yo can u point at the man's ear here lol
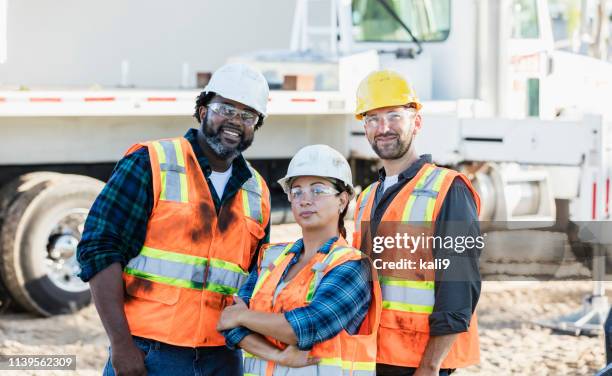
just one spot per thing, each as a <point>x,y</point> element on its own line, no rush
<point>202,112</point>
<point>417,123</point>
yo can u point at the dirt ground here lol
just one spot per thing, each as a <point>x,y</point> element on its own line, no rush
<point>510,343</point>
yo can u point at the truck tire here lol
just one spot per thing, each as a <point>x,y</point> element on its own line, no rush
<point>5,299</point>
<point>42,226</point>
<point>12,189</point>
<point>8,193</point>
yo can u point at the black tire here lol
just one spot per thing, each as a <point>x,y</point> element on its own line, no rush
<point>6,301</point>
<point>30,230</point>
<point>12,189</point>
<point>8,194</point>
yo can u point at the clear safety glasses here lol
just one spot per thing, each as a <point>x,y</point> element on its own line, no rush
<point>247,118</point>
<point>393,117</point>
<point>297,194</point>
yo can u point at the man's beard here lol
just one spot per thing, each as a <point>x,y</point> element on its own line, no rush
<point>397,150</point>
<point>213,140</point>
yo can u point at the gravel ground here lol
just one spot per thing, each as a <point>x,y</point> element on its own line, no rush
<point>510,343</point>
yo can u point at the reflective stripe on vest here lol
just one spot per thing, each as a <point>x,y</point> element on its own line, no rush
<point>186,271</point>
<point>420,205</point>
<point>271,254</point>
<point>251,196</point>
<point>365,196</point>
<point>272,257</point>
<point>407,296</point>
<point>225,277</point>
<point>319,268</point>
<point>254,366</point>
<point>172,166</point>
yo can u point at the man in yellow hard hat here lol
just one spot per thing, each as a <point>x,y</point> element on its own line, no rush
<point>428,326</point>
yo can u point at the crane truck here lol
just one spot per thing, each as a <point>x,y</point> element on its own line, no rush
<point>81,82</point>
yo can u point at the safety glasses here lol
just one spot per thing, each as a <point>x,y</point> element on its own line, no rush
<point>392,117</point>
<point>297,194</point>
<point>247,118</point>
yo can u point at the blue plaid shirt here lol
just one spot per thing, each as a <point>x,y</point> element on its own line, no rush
<point>340,302</point>
<point>116,226</point>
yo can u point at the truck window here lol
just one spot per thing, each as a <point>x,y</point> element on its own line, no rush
<point>429,20</point>
<point>525,24</point>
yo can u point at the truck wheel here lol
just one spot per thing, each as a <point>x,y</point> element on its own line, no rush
<point>8,193</point>
<point>5,299</point>
<point>42,227</point>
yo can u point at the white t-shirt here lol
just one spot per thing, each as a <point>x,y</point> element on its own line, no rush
<point>219,180</point>
<point>389,181</point>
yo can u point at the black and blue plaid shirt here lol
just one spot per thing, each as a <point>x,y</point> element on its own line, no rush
<point>116,226</point>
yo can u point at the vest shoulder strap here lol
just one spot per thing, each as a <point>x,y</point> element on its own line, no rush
<point>336,256</point>
<point>420,199</point>
<point>255,198</point>
<point>255,183</point>
<point>270,252</point>
<point>269,257</point>
<point>475,194</point>
<point>437,185</point>
<point>362,202</point>
<point>167,157</point>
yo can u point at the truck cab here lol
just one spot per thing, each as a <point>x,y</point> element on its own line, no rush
<point>495,51</point>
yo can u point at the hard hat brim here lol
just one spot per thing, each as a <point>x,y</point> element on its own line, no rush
<point>285,183</point>
<point>417,106</point>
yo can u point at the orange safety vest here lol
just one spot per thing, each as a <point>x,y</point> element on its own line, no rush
<point>344,354</point>
<point>192,260</point>
<point>404,327</point>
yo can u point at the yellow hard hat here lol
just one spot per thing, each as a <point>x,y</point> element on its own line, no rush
<point>384,88</point>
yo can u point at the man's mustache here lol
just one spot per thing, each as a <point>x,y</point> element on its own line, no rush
<point>386,134</point>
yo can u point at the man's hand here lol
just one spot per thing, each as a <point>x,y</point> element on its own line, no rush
<point>128,360</point>
<point>230,317</point>
<point>291,356</point>
<point>108,295</point>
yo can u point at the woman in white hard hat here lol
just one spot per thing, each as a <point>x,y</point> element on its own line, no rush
<point>311,303</point>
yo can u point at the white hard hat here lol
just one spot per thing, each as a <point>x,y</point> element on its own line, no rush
<point>318,160</point>
<point>241,83</point>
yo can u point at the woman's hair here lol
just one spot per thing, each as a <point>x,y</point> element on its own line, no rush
<point>341,228</point>
<point>341,187</point>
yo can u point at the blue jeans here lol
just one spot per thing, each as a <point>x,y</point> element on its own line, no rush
<point>163,359</point>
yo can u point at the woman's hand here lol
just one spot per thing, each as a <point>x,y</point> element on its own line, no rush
<point>291,356</point>
<point>230,317</point>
